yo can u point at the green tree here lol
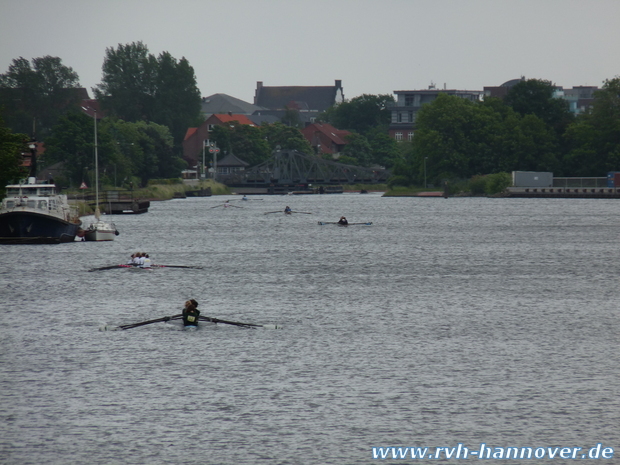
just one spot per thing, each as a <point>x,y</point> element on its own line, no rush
<point>127,88</point>
<point>12,145</point>
<point>125,150</point>
<point>244,141</point>
<point>158,158</point>
<point>361,114</point>
<point>461,139</point>
<point>536,97</point>
<point>71,142</point>
<point>384,149</point>
<point>137,86</point>
<point>288,138</point>
<point>594,138</point>
<point>177,98</point>
<point>369,116</point>
<point>357,149</point>
<point>36,95</point>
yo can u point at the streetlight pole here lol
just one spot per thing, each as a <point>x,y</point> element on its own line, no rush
<point>425,158</point>
<point>204,144</point>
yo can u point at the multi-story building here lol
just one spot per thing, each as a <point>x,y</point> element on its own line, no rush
<point>580,98</point>
<point>409,102</point>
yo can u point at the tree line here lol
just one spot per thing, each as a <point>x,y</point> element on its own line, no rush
<point>529,130</point>
<point>150,101</point>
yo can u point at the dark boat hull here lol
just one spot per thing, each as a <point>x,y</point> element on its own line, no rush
<point>35,228</point>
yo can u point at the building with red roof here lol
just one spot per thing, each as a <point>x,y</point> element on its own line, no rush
<point>325,138</point>
<point>195,137</point>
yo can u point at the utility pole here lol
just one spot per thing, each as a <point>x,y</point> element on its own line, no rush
<point>213,149</point>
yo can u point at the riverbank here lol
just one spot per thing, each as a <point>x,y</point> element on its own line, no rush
<point>84,201</point>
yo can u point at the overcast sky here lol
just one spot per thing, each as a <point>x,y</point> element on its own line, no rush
<point>373,46</point>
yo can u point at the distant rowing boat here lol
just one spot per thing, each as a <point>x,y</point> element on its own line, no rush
<point>323,223</point>
<point>211,321</point>
<point>142,268</point>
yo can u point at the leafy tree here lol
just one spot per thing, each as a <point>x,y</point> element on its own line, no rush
<point>361,114</point>
<point>594,138</point>
<point>288,138</point>
<point>127,88</point>
<point>461,139</point>
<point>36,95</point>
<point>385,150</point>
<point>177,98</point>
<point>72,142</point>
<point>245,141</point>
<point>12,145</point>
<point>367,115</point>
<point>142,150</point>
<point>137,86</point>
<point>358,150</point>
<point>535,97</point>
<point>158,159</point>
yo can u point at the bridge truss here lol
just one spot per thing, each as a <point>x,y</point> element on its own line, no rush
<point>293,167</point>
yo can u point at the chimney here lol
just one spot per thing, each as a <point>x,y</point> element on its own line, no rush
<point>338,84</point>
<point>259,86</point>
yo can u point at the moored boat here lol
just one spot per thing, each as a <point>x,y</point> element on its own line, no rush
<point>33,213</point>
<point>99,230</point>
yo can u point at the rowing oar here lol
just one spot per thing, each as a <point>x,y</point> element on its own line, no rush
<point>227,205</point>
<point>305,213</point>
<point>177,266</point>
<point>348,224</point>
<point>135,325</point>
<point>235,323</point>
<point>107,268</point>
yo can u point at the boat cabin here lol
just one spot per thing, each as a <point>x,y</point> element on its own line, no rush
<point>35,196</point>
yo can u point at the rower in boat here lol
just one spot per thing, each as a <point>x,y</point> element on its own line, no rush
<point>288,210</point>
<point>343,221</point>
<point>191,314</point>
<point>135,259</point>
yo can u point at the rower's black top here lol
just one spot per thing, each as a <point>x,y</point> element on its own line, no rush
<point>190,316</point>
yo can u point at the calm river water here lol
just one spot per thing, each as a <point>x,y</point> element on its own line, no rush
<point>451,321</point>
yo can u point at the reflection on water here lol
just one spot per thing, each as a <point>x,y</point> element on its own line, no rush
<point>446,321</point>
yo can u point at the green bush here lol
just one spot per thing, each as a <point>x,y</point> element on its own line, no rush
<point>477,185</point>
<point>497,183</point>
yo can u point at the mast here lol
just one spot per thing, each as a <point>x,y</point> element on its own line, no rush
<point>97,214</point>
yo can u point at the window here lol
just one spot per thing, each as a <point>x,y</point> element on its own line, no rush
<point>410,136</point>
<point>398,136</point>
<point>408,100</point>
